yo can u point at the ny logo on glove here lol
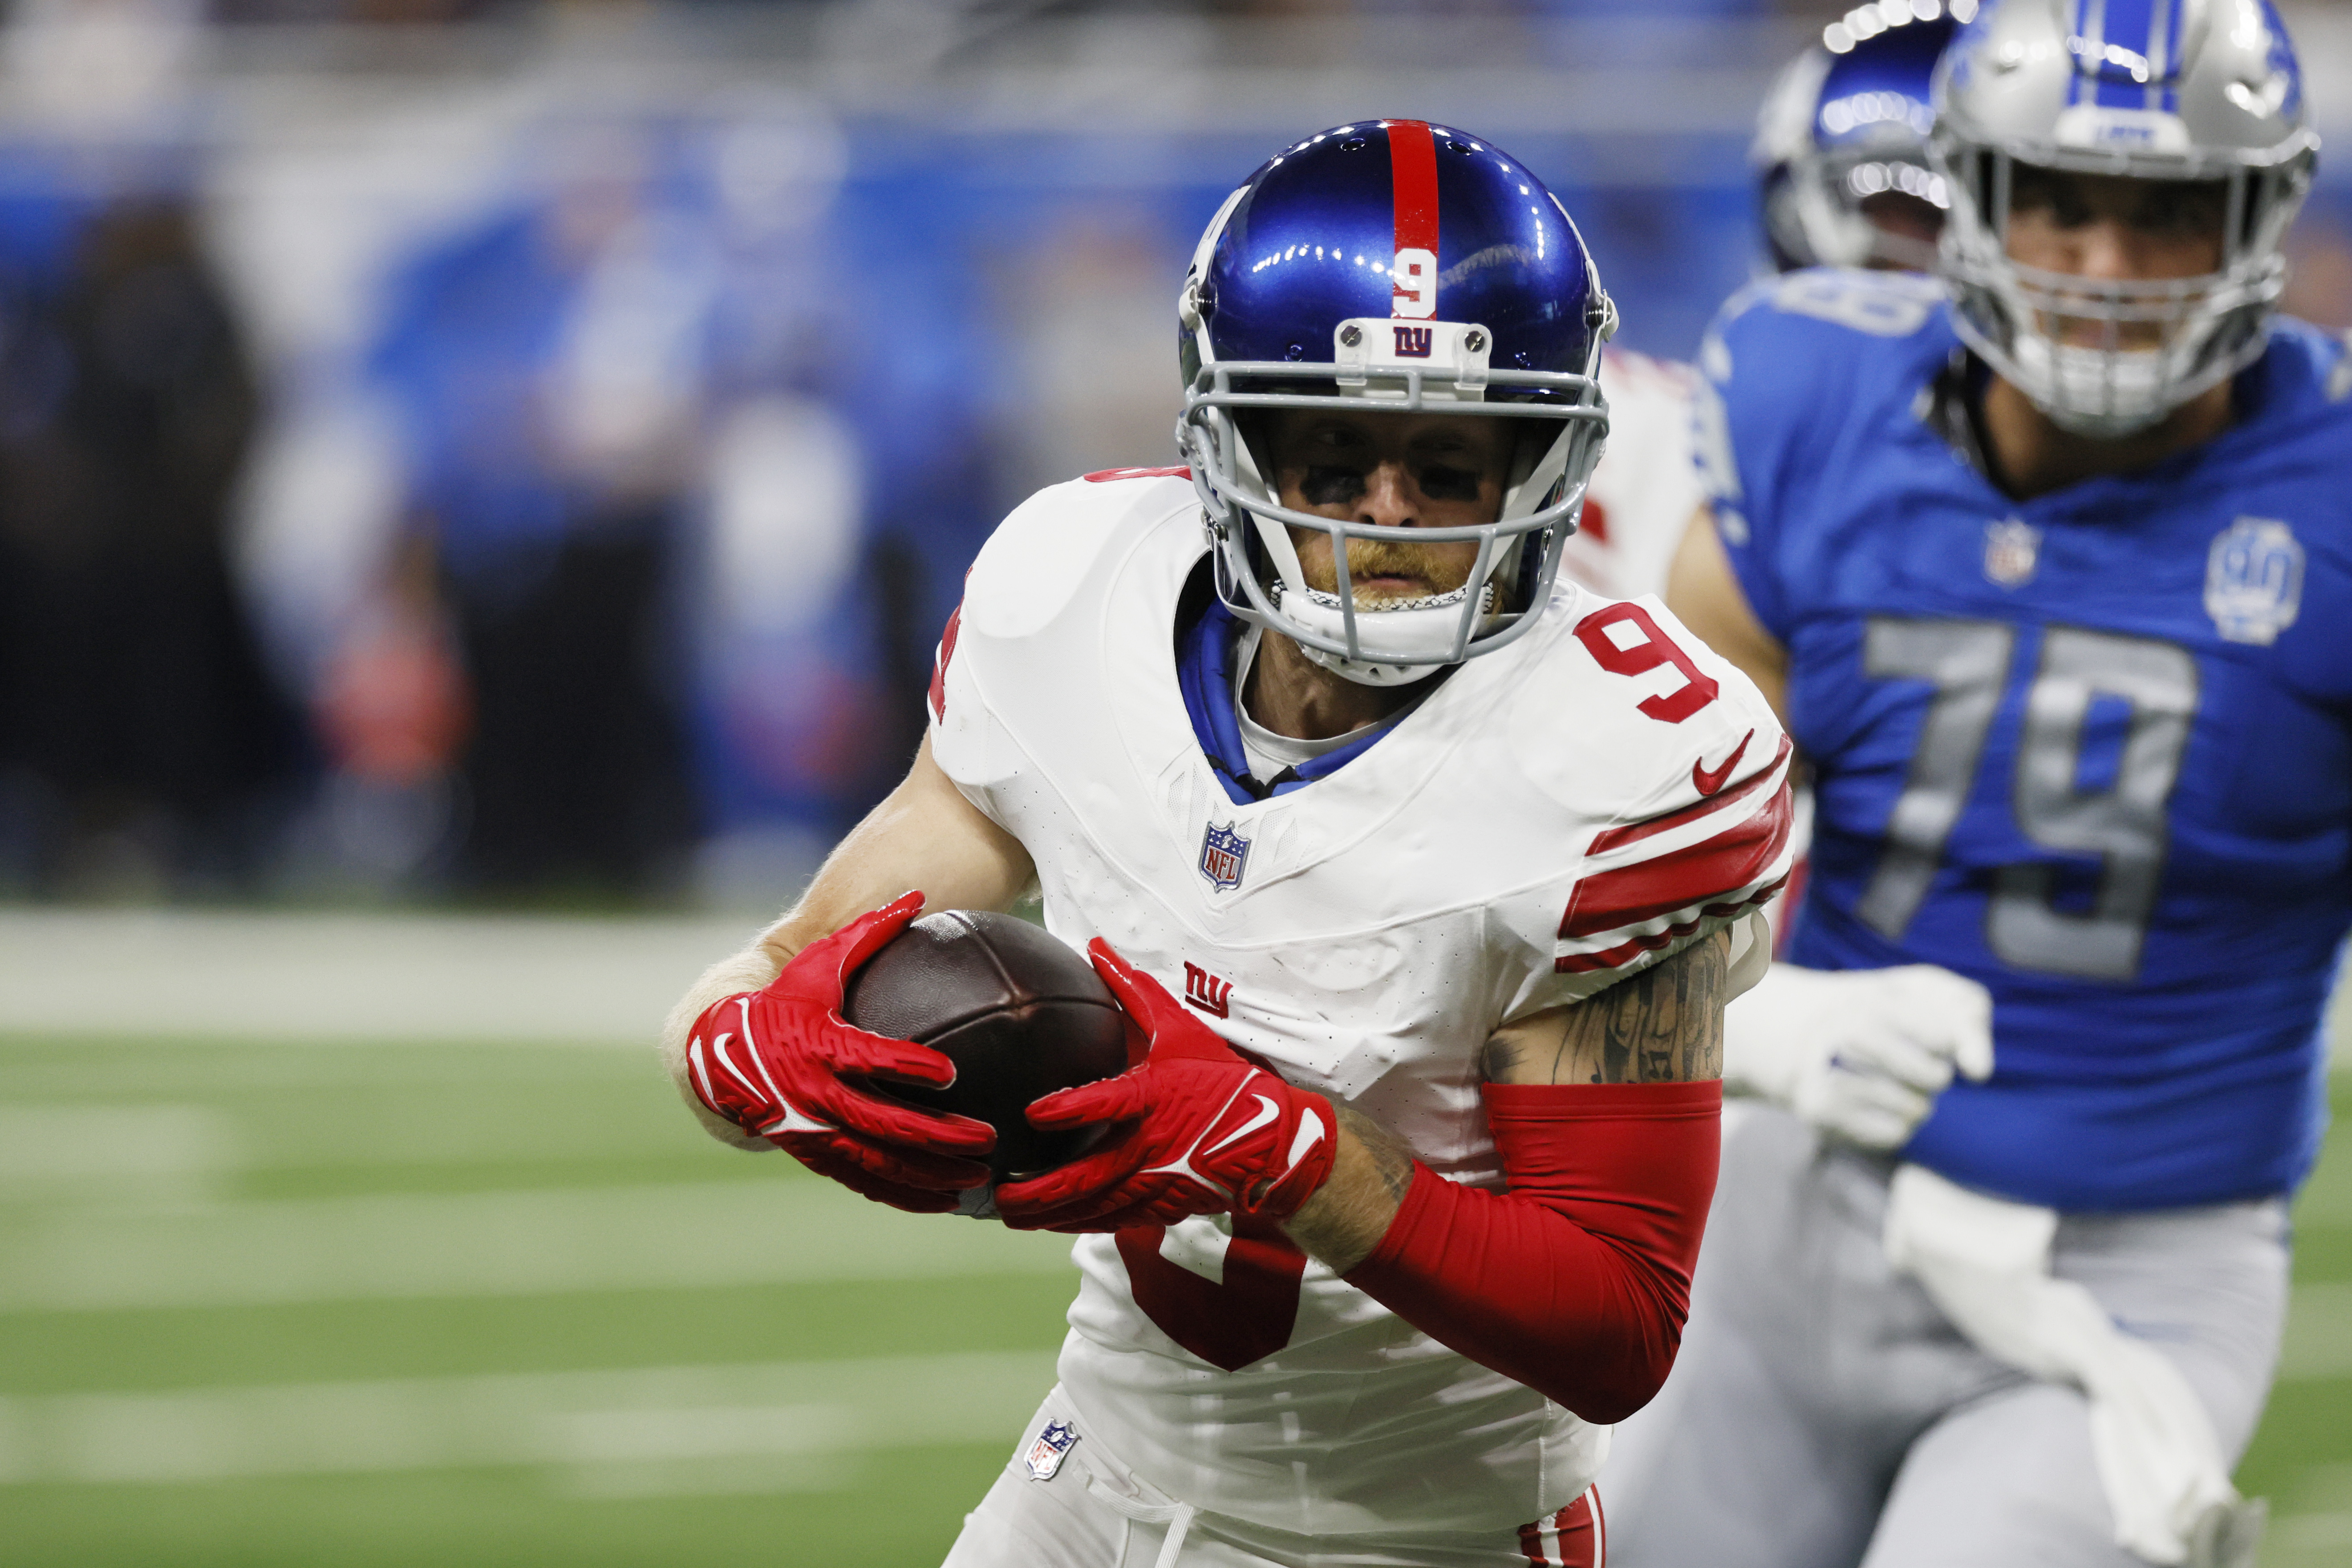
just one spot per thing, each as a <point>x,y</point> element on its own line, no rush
<point>774,1063</point>
<point>1194,1128</point>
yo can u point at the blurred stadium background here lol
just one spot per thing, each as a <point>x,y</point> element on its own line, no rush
<point>478,487</point>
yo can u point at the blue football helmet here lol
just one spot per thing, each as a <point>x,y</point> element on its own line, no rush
<point>1409,269</point>
<point>1843,136</point>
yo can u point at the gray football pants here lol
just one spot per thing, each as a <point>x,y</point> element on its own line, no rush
<point>1822,1413</point>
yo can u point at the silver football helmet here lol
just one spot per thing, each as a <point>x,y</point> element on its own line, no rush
<point>2200,90</point>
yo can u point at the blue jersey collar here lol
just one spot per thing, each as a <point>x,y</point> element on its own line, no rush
<point>1204,674</point>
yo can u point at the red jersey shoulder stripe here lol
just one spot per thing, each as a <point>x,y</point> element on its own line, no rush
<point>1610,839</point>
<point>1624,952</point>
<point>1106,476</point>
<point>939,663</point>
<point>1730,862</point>
<point>1736,869</point>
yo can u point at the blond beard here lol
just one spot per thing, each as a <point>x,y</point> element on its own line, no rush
<point>1437,568</point>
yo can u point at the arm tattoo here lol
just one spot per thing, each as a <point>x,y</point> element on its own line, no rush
<point>1391,1160</point>
<point>1662,1026</point>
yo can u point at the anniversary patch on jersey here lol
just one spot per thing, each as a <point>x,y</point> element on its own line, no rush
<point>2012,549</point>
<point>1052,1446</point>
<point>2253,580</point>
<point>1224,854</point>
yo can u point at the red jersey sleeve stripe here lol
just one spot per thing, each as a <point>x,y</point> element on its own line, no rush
<point>940,664</point>
<point>1624,952</point>
<point>1708,871</point>
<point>1610,839</point>
<point>1107,476</point>
<point>1412,170</point>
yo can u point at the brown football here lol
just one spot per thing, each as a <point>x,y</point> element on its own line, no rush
<point>1019,1013</point>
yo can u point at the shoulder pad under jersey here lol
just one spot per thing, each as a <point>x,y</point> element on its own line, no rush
<point>1672,771</point>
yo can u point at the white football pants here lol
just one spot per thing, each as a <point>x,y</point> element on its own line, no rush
<point>1092,1512</point>
<point>1823,1414</point>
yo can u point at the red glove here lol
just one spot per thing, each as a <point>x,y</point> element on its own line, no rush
<point>1205,1132</point>
<point>773,1062</point>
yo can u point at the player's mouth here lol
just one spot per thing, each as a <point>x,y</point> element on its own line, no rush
<point>1392,585</point>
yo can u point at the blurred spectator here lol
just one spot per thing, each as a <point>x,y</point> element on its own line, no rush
<point>138,736</point>
<point>548,364</point>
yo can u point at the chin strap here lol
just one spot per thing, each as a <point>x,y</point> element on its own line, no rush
<point>1425,627</point>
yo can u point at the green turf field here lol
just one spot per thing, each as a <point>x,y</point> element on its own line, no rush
<point>314,1304</point>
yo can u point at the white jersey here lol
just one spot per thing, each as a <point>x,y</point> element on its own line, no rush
<point>1642,498</point>
<point>1646,487</point>
<point>1526,837</point>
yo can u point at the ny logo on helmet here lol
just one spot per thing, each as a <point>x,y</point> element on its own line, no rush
<point>1223,853</point>
<point>1412,342</point>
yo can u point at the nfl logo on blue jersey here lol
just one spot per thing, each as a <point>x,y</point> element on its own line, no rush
<point>2253,580</point>
<point>1052,1446</point>
<point>1223,853</point>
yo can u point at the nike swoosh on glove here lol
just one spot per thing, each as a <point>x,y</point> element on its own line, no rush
<point>778,1062</point>
<point>1199,1129</point>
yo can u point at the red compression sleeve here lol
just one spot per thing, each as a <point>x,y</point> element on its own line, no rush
<point>1577,1280</point>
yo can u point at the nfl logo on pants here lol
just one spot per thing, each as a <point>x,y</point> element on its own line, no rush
<point>1052,1446</point>
<point>1223,853</point>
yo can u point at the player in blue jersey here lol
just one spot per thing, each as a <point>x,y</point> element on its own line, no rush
<point>2049,567</point>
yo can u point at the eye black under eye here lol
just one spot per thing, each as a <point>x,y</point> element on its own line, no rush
<point>1332,486</point>
<point>1439,482</point>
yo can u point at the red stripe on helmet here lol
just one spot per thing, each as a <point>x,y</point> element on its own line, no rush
<point>1412,166</point>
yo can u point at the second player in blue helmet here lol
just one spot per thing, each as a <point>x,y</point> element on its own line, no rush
<point>1394,265</point>
<point>1840,148</point>
<point>2047,568</point>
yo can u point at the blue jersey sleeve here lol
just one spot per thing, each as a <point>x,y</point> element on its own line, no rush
<point>1782,362</point>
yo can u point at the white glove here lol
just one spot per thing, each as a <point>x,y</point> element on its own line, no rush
<point>1986,1263</point>
<point>1859,1053</point>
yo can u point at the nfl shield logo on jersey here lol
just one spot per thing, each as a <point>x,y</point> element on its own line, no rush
<point>1052,1446</point>
<point>1223,853</point>
<point>2253,580</point>
<point>2013,549</point>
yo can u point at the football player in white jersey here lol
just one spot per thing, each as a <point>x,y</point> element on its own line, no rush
<point>1453,864</point>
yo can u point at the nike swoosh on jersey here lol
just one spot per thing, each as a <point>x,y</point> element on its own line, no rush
<point>1709,780</point>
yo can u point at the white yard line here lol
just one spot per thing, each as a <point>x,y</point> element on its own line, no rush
<point>492,1244</point>
<point>768,1426</point>
<point>347,977</point>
